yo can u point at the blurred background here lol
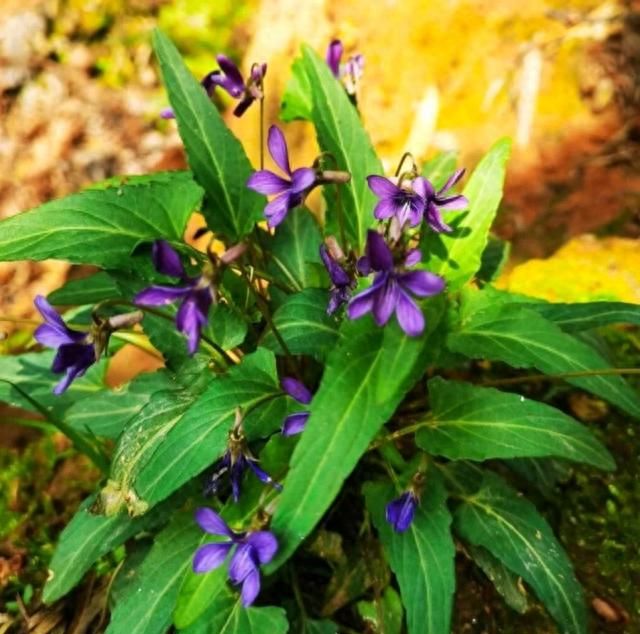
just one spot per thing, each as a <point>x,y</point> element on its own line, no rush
<point>79,102</point>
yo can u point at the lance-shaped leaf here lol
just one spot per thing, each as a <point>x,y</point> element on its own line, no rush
<point>479,423</point>
<point>457,256</point>
<point>102,226</point>
<point>148,607</point>
<point>583,316</point>
<point>303,323</point>
<point>365,378</point>
<point>215,155</point>
<point>422,557</point>
<point>340,132</point>
<point>296,101</point>
<point>517,335</point>
<point>85,539</point>
<point>438,169</point>
<point>88,290</point>
<point>509,527</point>
<point>178,436</point>
<point>107,413</point>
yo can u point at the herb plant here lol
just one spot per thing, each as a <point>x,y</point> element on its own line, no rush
<point>320,376</point>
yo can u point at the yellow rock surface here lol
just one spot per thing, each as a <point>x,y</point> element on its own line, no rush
<point>586,268</point>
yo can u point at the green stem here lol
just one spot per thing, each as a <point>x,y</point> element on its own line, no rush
<point>536,378</point>
<point>405,431</point>
<point>28,422</point>
<point>94,453</point>
<point>262,132</point>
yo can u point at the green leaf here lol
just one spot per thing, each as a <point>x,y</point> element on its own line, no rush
<point>365,378</point>
<point>296,101</point>
<point>88,290</point>
<point>226,326</point>
<point>147,609</point>
<point>32,373</point>
<point>545,474</point>
<point>517,335</point>
<point>479,423</point>
<point>85,539</point>
<point>457,256</point>
<point>382,616</point>
<point>176,438</point>
<point>504,581</point>
<point>303,323</point>
<point>509,527</point>
<point>494,258</point>
<point>294,255</point>
<point>340,132</point>
<point>422,558</point>
<point>438,169</point>
<point>101,226</point>
<point>578,317</point>
<point>107,413</point>
<point>319,627</point>
<point>215,155</point>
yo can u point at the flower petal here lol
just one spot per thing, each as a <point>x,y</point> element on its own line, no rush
<point>413,257</point>
<point>160,295</point>
<point>166,259</point>
<point>262,475</point>
<point>422,283</point>
<point>337,274</point>
<point>409,316</point>
<point>54,337</point>
<point>210,556</point>
<point>210,522</point>
<point>400,512</point>
<point>453,203</point>
<point>379,254</point>
<point>452,180</point>
<point>386,208</point>
<point>243,106</point>
<point>243,562</point>
<point>234,76</point>
<point>362,303</point>
<point>74,372</point>
<point>49,314</point>
<point>385,301</point>
<point>382,187</point>
<point>422,187</point>
<point>278,148</point>
<point>276,211</point>
<point>190,319</point>
<point>296,389</point>
<point>69,355</point>
<point>295,423</point>
<point>434,220</point>
<point>167,113</point>
<point>265,545</point>
<point>334,55</point>
<point>250,588</point>
<point>267,183</point>
<point>302,179</point>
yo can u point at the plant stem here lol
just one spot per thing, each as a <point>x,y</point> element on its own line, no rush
<point>262,132</point>
<point>405,431</point>
<point>537,378</point>
<point>29,422</point>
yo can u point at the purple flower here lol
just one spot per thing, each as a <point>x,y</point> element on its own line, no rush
<point>230,79</point>
<point>294,423</point>
<point>341,282</point>
<point>290,192</point>
<point>195,294</point>
<point>405,202</point>
<point>350,72</point>
<point>393,287</point>
<point>400,511</point>
<point>250,551</point>
<point>75,350</point>
<point>439,201</point>
<point>236,460</point>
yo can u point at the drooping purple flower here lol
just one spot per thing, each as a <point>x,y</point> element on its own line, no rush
<point>195,294</point>
<point>393,287</point>
<point>230,79</point>
<point>400,512</point>
<point>294,423</point>
<point>235,461</point>
<point>341,282</point>
<point>250,551</point>
<point>291,191</point>
<point>351,72</point>
<point>437,202</point>
<point>405,202</point>
<point>75,350</point>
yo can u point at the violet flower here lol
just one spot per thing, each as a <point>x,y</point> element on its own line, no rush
<point>230,79</point>
<point>400,512</point>
<point>351,72</point>
<point>341,282</point>
<point>250,551</point>
<point>405,202</point>
<point>196,294</point>
<point>439,201</point>
<point>290,192</point>
<point>294,423</point>
<point>236,460</point>
<point>76,351</point>
<point>393,287</point>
